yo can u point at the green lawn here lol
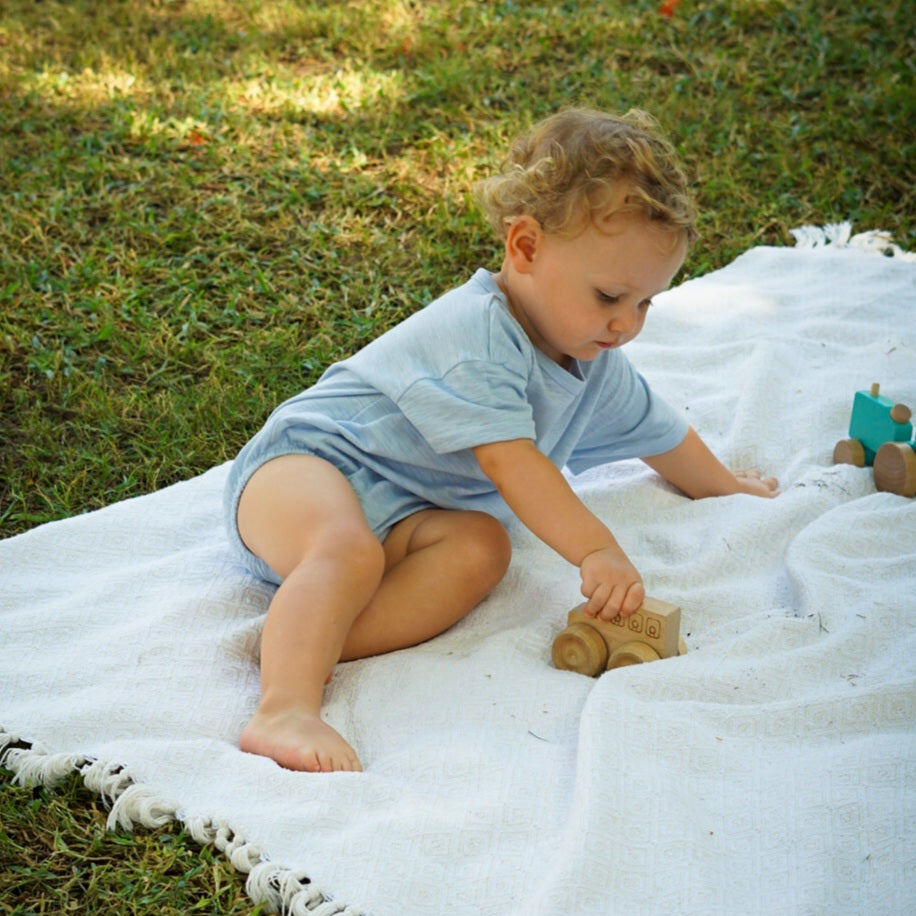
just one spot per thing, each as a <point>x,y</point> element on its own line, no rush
<point>204,202</point>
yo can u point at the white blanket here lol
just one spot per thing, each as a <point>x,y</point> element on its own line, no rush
<point>770,770</point>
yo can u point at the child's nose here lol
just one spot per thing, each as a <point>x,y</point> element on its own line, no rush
<point>625,322</point>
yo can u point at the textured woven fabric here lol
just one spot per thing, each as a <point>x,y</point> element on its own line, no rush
<point>770,770</point>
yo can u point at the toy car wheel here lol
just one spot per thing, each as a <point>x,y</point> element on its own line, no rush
<point>895,469</point>
<point>849,451</point>
<point>580,648</point>
<point>632,653</point>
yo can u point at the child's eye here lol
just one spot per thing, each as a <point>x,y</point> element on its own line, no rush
<point>608,298</point>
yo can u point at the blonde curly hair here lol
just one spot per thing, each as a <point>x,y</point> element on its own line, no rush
<point>573,167</point>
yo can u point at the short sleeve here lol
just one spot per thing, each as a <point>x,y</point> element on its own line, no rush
<point>474,403</point>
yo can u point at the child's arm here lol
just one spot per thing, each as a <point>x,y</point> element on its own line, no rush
<point>539,495</point>
<point>693,468</point>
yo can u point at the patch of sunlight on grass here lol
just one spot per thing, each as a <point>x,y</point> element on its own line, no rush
<point>342,91</point>
<point>90,85</point>
<point>339,92</point>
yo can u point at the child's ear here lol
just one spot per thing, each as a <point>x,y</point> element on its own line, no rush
<point>522,243</point>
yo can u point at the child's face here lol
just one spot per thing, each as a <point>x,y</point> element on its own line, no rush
<point>577,297</point>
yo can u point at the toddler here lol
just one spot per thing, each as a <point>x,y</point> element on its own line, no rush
<point>374,499</point>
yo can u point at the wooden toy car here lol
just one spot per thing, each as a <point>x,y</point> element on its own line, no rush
<point>881,436</point>
<point>589,645</point>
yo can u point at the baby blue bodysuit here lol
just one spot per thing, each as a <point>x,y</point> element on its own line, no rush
<point>399,418</point>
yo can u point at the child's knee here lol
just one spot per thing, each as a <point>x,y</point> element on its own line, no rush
<point>487,546</point>
<point>361,550</point>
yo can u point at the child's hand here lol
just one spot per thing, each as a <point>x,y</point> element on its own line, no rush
<point>754,483</point>
<point>693,468</point>
<point>611,584</point>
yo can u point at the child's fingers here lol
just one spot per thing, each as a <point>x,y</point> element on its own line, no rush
<point>764,486</point>
<point>624,600</point>
<point>635,596</point>
<point>597,600</point>
<point>755,483</point>
<point>610,584</point>
<point>607,602</point>
<point>749,476</point>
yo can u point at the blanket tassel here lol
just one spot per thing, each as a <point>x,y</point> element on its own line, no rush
<point>839,235</point>
<point>277,889</point>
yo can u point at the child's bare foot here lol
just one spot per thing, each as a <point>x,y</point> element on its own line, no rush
<point>299,740</point>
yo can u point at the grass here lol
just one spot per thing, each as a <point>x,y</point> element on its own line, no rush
<point>204,202</point>
<point>56,857</point>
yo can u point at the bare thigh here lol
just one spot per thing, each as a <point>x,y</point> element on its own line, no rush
<point>299,514</point>
<point>484,545</point>
<point>298,505</point>
<point>439,565</point>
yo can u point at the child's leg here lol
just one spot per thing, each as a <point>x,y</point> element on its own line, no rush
<point>344,596</point>
<point>439,565</point>
<point>300,515</point>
